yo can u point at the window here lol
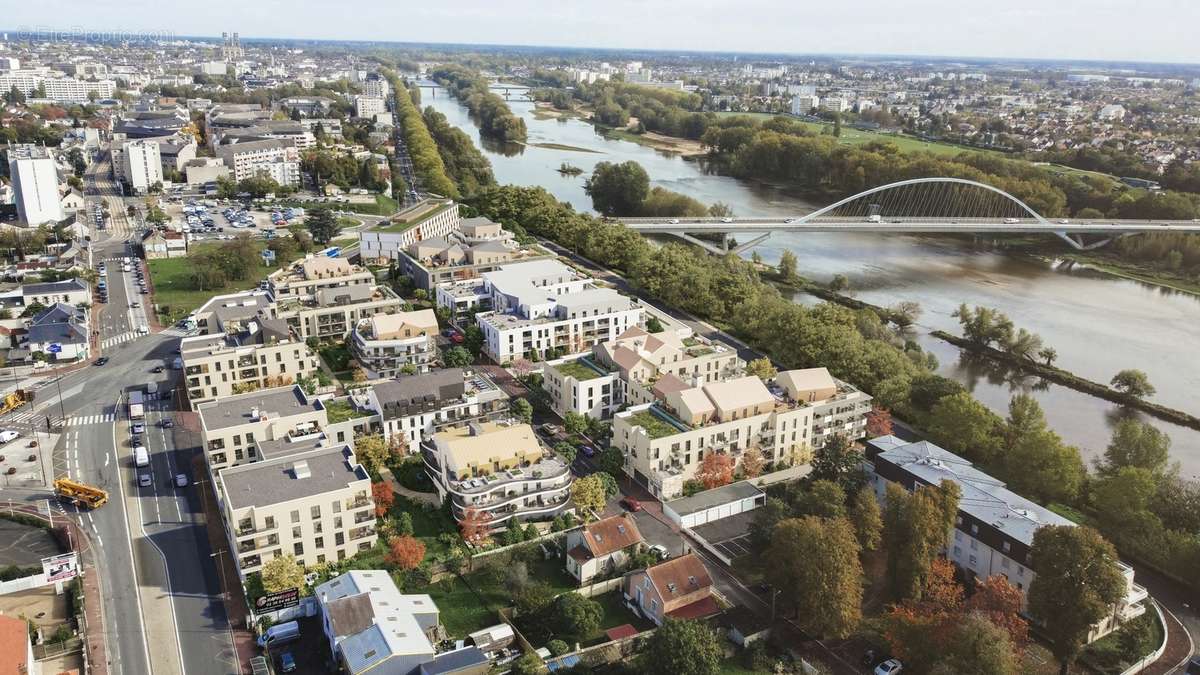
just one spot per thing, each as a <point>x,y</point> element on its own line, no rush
<point>1006,547</point>
<point>1004,563</point>
<point>319,542</point>
<point>957,552</point>
<point>316,511</point>
<point>973,561</point>
<point>1020,571</point>
<point>974,529</point>
<point>298,547</point>
<point>295,516</point>
<point>958,535</point>
<point>974,545</point>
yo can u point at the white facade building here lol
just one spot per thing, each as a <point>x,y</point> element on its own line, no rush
<point>805,104</point>
<point>141,165</point>
<point>35,184</point>
<point>369,106</point>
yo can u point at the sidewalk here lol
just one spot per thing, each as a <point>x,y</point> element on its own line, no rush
<point>236,608</point>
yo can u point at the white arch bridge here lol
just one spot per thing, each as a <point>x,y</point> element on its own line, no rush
<point>920,205</point>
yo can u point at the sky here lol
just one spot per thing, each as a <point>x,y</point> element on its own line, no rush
<point>1110,30</point>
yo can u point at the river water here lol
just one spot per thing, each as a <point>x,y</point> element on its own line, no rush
<point>1098,324</point>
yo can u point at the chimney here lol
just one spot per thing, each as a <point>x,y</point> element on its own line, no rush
<point>300,470</point>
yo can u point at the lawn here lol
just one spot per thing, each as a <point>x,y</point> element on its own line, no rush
<point>411,474</point>
<point>403,224</point>
<point>336,355</point>
<point>174,295</point>
<point>654,426</point>
<point>733,666</point>
<point>342,410</point>
<point>578,369</point>
<point>615,614</point>
<point>428,525</point>
<point>382,206</point>
<point>463,610</point>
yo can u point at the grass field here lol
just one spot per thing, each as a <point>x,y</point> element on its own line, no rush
<point>171,280</point>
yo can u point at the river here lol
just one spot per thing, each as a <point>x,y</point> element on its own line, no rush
<point>1098,324</point>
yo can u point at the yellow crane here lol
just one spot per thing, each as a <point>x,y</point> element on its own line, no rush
<point>14,400</point>
<point>82,494</point>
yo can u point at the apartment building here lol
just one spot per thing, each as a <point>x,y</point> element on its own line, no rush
<point>664,442</point>
<point>427,219</point>
<point>60,89</point>
<point>838,408</point>
<point>993,532</point>
<point>259,353</point>
<point>581,385</point>
<point>372,627</point>
<point>276,158</point>
<point>413,408</point>
<point>222,312</point>
<point>369,106</point>
<point>388,345</point>
<point>647,365</point>
<point>326,297</point>
<point>377,86</point>
<point>232,427</point>
<point>34,176</point>
<point>312,502</point>
<point>475,246</point>
<point>141,165</point>
<point>543,307</point>
<point>499,469</point>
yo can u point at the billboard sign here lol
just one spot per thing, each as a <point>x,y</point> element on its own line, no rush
<point>60,567</point>
<point>272,602</point>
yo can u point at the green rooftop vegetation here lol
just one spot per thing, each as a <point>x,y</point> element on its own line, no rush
<point>341,411</point>
<point>578,370</point>
<point>654,425</point>
<point>401,224</point>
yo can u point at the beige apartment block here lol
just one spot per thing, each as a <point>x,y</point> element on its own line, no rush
<point>256,354</point>
<point>232,428</point>
<point>388,345</point>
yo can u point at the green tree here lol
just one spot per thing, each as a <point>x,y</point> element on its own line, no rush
<point>653,324</point>
<point>964,425</point>
<point>574,423</point>
<point>821,498</point>
<point>522,409</point>
<point>838,460</point>
<point>1133,383</point>
<point>577,616</point>
<point>566,451</point>
<point>761,368</point>
<point>1035,460</point>
<point>977,646</point>
<point>281,573</point>
<point>814,563</point>
<point>865,515</point>
<point>1076,585</point>
<point>1138,444</point>
<point>456,357</point>
<point>916,527</point>
<point>683,647</point>
<point>1048,354</point>
<point>373,452</point>
<point>766,517</point>
<point>321,224</point>
<point>618,189</point>
<point>1122,497</point>
<point>528,664</point>
<point>839,283</point>
<point>611,461</point>
<point>788,266</point>
<point>589,495</point>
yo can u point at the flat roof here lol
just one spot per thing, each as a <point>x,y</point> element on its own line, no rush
<point>277,481</point>
<point>725,494</point>
<point>464,447</point>
<point>230,411</point>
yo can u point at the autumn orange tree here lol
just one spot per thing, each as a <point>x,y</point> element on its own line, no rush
<point>879,422</point>
<point>716,470</point>
<point>405,552</point>
<point>1000,602</point>
<point>384,498</point>
<point>474,525</point>
<point>752,462</point>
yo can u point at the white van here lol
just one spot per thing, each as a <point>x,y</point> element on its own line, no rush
<point>141,457</point>
<point>279,634</point>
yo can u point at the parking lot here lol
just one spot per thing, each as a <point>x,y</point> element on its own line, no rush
<point>728,535</point>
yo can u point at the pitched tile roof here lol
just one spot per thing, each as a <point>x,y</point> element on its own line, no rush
<point>611,534</point>
<point>680,576</point>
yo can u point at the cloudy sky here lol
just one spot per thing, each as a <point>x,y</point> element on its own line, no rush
<point>1141,30</point>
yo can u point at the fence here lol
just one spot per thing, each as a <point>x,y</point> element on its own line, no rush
<point>600,587</point>
<point>23,584</point>
<point>1152,656</point>
<point>54,649</point>
<point>607,652</point>
<point>307,607</point>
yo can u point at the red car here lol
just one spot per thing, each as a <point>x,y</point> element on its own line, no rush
<point>631,504</point>
<point>457,338</point>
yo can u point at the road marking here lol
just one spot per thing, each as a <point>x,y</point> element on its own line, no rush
<point>106,460</point>
<point>137,589</point>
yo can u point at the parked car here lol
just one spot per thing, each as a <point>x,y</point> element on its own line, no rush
<point>889,667</point>
<point>631,504</point>
<point>157,369</point>
<point>287,663</point>
<point>138,428</point>
<point>144,480</point>
<point>8,435</point>
<point>181,480</point>
<point>100,361</point>
<point>660,551</point>
<point>166,423</point>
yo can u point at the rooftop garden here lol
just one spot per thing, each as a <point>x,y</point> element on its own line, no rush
<point>401,224</point>
<point>342,410</point>
<point>653,424</point>
<point>578,369</point>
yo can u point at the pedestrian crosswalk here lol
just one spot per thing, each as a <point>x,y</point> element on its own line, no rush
<point>117,339</point>
<point>21,416</point>
<point>102,418</point>
<point>176,331</point>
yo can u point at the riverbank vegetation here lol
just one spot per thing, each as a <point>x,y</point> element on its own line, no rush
<point>422,150</point>
<point>464,163</point>
<point>623,190</point>
<point>858,347</point>
<point>496,119</point>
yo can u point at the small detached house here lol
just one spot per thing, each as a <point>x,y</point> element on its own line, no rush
<point>60,332</point>
<point>680,588</point>
<point>601,547</point>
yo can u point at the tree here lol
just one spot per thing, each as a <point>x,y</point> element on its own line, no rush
<point>977,646</point>
<point>839,282</point>
<point>281,573</point>
<point>916,527</point>
<point>766,517</point>
<point>839,461</point>
<point>716,469</point>
<point>405,552</point>
<point>520,367</point>
<point>1035,460</point>
<point>961,423</point>
<point>589,496</point>
<point>567,451</point>
<point>761,368</point>
<point>1133,383</point>
<point>683,647</point>
<point>752,462</point>
<point>611,461</point>
<point>456,357</point>
<point>611,489</point>
<point>404,524</point>
<point>821,498</point>
<point>528,664</point>
<point>1000,602</point>
<point>1137,444</point>
<point>533,600</point>
<point>879,422</point>
<point>654,324</point>
<point>1076,585</point>
<point>574,423</point>
<point>475,525</point>
<point>1048,354</point>
<point>865,515</point>
<point>905,313</point>
<point>788,266</point>
<point>720,210</point>
<point>321,224</point>
<point>815,566</point>
<point>372,451</point>
<point>577,616</point>
<point>618,189</point>
<point>522,409</point>
<point>382,493</point>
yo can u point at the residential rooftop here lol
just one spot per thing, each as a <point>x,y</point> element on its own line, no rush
<point>235,410</point>
<point>291,477</point>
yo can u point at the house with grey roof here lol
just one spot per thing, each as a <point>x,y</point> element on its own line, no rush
<point>61,332</point>
<point>993,531</point>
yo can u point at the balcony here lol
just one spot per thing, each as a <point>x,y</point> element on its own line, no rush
<point>358,502</point>
<point>361,533</point>
<point>363,517</point>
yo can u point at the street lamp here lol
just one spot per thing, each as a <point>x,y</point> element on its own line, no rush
<point>220,570</point>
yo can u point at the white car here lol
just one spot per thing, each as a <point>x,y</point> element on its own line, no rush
<point>144,480</point>
<point>1010,221</point>
<point>673,221</point>
<point>143,329</point>
<point>180,480</point>
<point>727,220</point>
<point>138,428</point>
<point>889,667</point>
<point>660,551</point>
<point>8,435</point>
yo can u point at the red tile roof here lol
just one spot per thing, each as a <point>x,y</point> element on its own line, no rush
<point>621,632</point>
<point>677,577</point>
<point>705,607</point>
<point>610,534</point>
<point>14,645</point>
